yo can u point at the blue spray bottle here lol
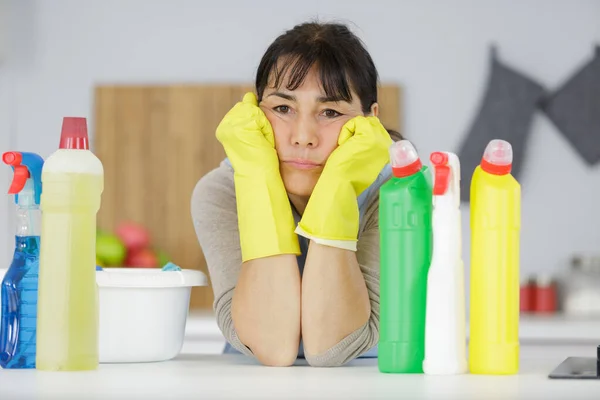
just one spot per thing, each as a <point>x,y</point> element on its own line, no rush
<point>20,285</point>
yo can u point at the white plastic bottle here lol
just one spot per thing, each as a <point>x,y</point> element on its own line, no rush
<point>445,325</point>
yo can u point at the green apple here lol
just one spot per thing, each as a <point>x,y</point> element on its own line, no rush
<point>163,258</point>
<point>110,250</point>
<point>100,232</point>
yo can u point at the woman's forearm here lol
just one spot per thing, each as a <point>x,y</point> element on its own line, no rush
<point>266,309</point>
<point>335,300</point>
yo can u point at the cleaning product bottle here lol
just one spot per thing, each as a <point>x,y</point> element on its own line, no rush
<point>20,284</point>
<point>405,254</point>
<point>495,227</point>
<point>73,179</point>
<point>445,327</point>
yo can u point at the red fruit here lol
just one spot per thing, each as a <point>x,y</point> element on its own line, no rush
<point>133,236</point>
<point>144,258</point>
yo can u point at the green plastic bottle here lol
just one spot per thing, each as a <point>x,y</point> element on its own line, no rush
<point>406,239</point>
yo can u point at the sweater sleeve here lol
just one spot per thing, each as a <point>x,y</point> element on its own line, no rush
<point>214,214</point>
<point>367,336</point>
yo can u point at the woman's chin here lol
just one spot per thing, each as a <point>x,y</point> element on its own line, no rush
<point>299,184</point>
<point>299,190</point>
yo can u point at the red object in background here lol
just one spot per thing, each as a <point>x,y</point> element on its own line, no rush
<point>134,236</point>
<point>527,296</point>
<point>144,258</point>
<point>545,295</point>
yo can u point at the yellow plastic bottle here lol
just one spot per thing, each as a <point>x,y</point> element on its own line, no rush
<point>495,233</point>
<point>67,324</point>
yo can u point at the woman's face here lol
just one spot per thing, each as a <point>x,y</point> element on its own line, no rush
<point>306,125</point>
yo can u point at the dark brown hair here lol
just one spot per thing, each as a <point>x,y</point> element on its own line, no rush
<point>342,59</point>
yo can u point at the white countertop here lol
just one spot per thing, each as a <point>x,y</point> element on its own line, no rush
<point>210,376</point>
<point>201,372</point>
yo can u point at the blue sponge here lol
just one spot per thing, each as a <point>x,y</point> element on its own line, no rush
<point>171,267</point>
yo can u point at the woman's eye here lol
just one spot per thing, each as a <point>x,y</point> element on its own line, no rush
<point>329,113</point>
<point>282,109</point>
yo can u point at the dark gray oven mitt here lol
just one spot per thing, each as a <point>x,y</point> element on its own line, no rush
<point>574,109</point>
<point>509,102</point>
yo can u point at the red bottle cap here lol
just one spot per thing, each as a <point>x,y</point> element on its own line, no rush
<point>74,134</point>
<point>404,159</point>
<point>497,157</point>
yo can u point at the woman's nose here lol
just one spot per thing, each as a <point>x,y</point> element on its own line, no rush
<point>305,134</point>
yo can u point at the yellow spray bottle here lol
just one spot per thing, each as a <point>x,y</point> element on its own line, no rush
<point>495,232</point>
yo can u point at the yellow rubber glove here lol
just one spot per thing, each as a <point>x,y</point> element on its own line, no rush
<point>332,216</point>
<point>265,217</point>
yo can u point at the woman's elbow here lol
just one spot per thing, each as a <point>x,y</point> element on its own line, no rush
<point>274,347</point>
<point>333,358</point>
<point>351,347</point>
<point>282,354</point>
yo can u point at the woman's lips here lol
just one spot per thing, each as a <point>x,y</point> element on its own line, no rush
<point>302,164</point>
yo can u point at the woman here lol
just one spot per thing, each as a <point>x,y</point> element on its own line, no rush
<point>288,223</point>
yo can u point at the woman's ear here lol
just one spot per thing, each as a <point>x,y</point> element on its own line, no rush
<point>375,110</point>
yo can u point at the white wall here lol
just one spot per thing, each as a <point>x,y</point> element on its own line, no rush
<point>6,241</point>
<point>436,49</point>
<point>3,28</point>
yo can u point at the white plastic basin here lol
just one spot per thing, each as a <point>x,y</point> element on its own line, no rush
<point>143,312</point>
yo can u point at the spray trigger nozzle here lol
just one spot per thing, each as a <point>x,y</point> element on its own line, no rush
<point>446,166</point>
<point>26,167</point>
<point>442,173</point>
<point>21,173</point>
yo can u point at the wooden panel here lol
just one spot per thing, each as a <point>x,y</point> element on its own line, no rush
<point>390,107</point>
<point>156,142</point>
